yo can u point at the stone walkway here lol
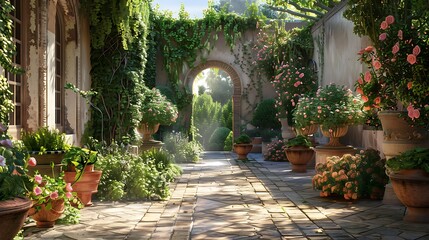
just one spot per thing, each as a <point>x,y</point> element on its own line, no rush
<point>223,198</point>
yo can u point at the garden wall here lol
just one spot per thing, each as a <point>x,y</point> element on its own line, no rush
<point>335,54</point>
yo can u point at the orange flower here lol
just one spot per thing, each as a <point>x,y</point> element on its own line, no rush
<point>411,58</point>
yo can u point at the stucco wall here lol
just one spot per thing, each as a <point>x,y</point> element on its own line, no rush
<point>336,48</point>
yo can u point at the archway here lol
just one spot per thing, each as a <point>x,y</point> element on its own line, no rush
<point>237,88</point>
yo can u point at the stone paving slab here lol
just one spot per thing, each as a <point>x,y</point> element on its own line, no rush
<point>224,198</point>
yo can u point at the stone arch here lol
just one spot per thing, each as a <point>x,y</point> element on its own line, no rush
<point>237,88</point>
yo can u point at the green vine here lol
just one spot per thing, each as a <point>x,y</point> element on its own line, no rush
<point>183,39</point>
<point>118,56</point>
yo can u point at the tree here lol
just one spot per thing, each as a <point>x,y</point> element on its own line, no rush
<point>307,9</point>
<point>220,85</point>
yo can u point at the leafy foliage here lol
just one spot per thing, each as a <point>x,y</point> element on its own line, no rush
<point>243,139</point>
<point>217,139</point>
<point>228,142</point>
<point>44,139</point>
<point>183,150</point>
<point>264,116</point>
<point>417,158</point>
<point>299,140</point>
<point>203,107</point>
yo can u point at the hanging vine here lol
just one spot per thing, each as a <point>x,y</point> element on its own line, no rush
<point>118,31</point>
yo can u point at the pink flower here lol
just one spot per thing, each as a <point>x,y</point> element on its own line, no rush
<point>2,161</point>
<point>297,83</point>
<point>69,194</point>
<point>382,36</point>
<point>377,65</point>
<point>412,112</point>
<point>37,191</point>
<point>377,100</point>
<point>384,25</point>
<point>416,50</point>
<point>364,98</point>
<point>367,76</point>
<point>360,81</point>
<point>32,162</point>
<point>69,187</point>
<point>411,58</point>
<point>395,48</point>
<point>38,179</point>
<point>54,195</point>
<point>409,85</point>
<point>369,48</point>
<point>390,19</point>
<point>301,75</point>
<point>400,34</point>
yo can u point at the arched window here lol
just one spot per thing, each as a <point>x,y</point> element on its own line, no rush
<point>59,71</point>
<point>16,80</point>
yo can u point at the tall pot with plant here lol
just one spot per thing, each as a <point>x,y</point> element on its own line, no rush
<point>81,174</point>
<point>299,152</point>
<point>242,146</point>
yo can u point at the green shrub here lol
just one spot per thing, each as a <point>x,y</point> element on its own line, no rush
<point>243,139</point>
<point>130,177</point>
<point>181,148</point>
<point>228,142</point>
<point>44,139</point>
<point>206,117</point>
<point>226,118</point>
<point>264,115</point>
<point>217,139</point>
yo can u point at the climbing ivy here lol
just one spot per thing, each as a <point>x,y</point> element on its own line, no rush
<point>118,31</point>
<point>183,39</point>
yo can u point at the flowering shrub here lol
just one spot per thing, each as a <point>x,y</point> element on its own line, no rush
<point>155,108</point>
<point>14,180</point>
<point>352,176</point>
<point>276,151</point>
<point>398,68</point>
<point>290,81</point>
<point>305,110</point>
<point>336,106</point>
<point>48,188</point>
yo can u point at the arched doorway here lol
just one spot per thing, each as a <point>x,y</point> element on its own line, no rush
<point>237,89</point>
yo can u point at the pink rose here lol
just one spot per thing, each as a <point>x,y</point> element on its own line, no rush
<point>364,98</point>
<point>297,83</point>
<point>54,195</point>
<point>384,25</point>
<point>69,195</point>
<point>377,65</point>
<point>412,112</point>
<point>411,58</point>
<point>32,162</point>
<point>395,48</point>
<point>301,75</point>
<point>409,85</point>
<point>69,187</point>
<point>377,100</point>
<point>367,76</point>
<point>38,179</point>
<point>382,37</point>
<point>400,34</point>
<point>369,49</point>
<point>359,90</point>
<point>390,19</point>
<point>360,81</point>
<point>37,191</point>
<point>416,50</point>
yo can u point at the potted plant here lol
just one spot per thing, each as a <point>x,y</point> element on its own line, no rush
<point>81,174</point>
<point>409,175</point>
<point>337,108</point>
<point>243,146</point>
<point>276,151</point>
<point>14,182</point>
<point>50,196</point>
<point>305,121</point>
<point>299,152</point>
<point>46,145</point>
<point>155,110</point>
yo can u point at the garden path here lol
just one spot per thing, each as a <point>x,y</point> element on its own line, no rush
<point>223,198</point>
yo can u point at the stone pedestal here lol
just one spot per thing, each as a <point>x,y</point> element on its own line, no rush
<point>322,152</point>
<point>149,145</point>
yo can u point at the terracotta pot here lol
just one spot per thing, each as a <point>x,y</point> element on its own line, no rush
<point>309,130</point>
<point>242,150</point>
<point>44,163</point>
<point>398,135</point>
<point>147,131</point>
<point>299,157</point>
<point>46,218</point>
<point>412,189</point>
<point>334,135</point>
<point>86,186</point>
<point>13,214</point>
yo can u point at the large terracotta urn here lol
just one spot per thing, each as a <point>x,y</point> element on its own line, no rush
<point>412,189</point>
<point>147,131</point>
<point>44,217</point>
<point>13,214</point>
<point>87,184</point>
<point>334,135</point>
<point>242,150</point>
<point>299,158</point>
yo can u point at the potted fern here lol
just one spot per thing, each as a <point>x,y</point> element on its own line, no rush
<point>46,145</point>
